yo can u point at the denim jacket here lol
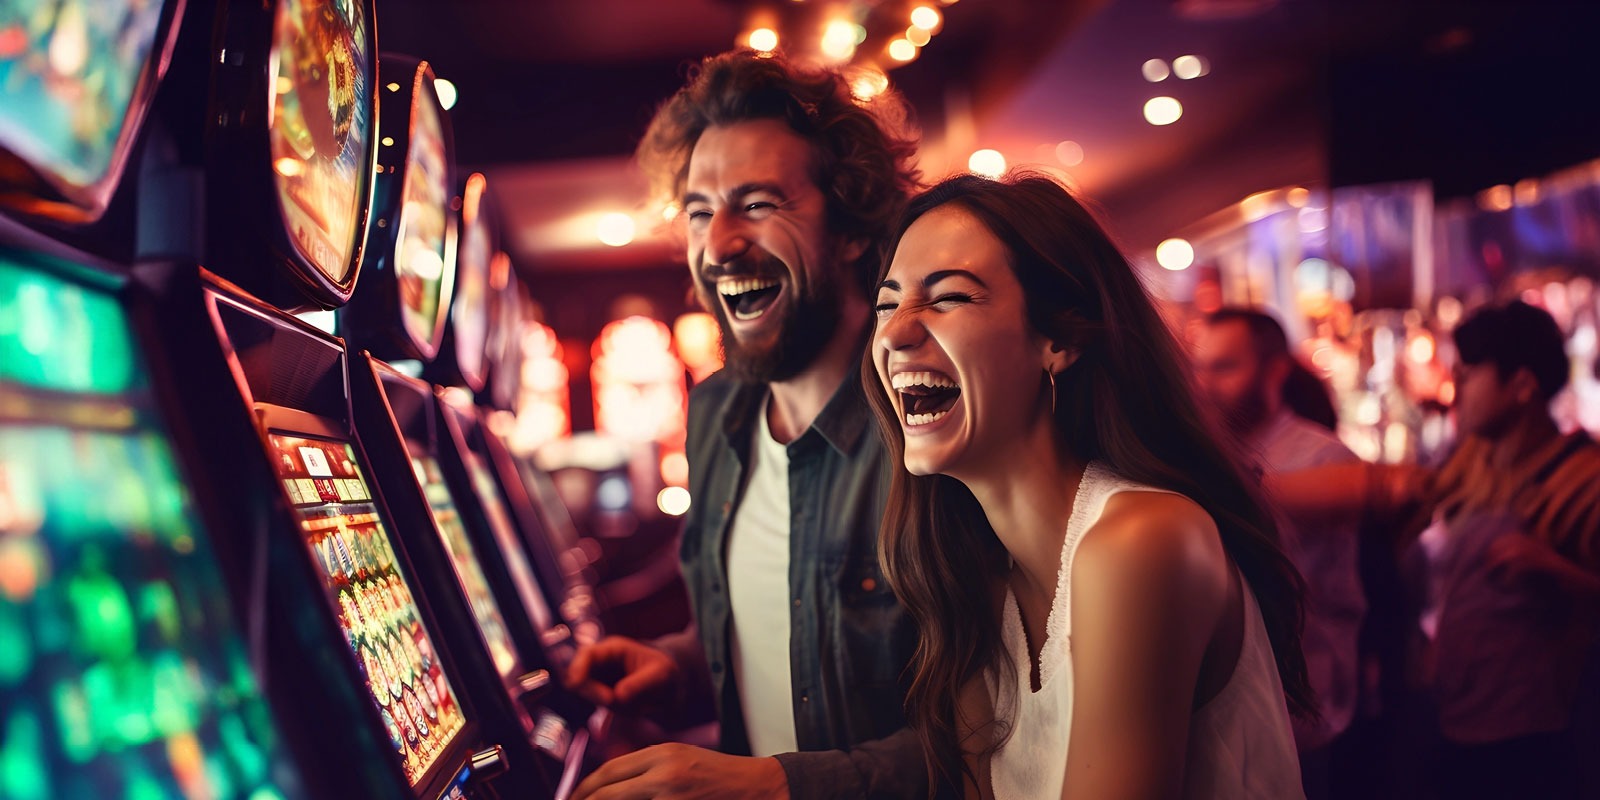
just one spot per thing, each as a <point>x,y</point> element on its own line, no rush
<point>850,640</point>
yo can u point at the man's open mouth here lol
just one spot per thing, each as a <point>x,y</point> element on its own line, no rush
<point>748,298</point>
<point>925,397</point>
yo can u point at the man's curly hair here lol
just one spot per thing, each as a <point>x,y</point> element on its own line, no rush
<point>862,150</point>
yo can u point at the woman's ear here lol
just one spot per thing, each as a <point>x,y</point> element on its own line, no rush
<point>1058,357</point>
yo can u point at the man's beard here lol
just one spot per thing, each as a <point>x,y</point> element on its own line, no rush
<point>1246,413</point>
<point>807,323</point>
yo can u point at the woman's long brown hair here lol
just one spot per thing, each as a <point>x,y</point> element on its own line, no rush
<point>1126,401</point>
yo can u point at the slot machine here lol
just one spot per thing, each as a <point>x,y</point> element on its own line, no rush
<point>400,313</point>
<point>558,565</point>
<point>126,669</point>
<point>357,649</point>
<point>462,359</point>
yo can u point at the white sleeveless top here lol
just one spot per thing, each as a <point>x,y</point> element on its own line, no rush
<point>1240,743</point>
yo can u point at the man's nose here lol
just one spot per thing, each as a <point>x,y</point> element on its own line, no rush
<point>726,238</point>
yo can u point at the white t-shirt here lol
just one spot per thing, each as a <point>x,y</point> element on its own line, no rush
<point>758,592</point>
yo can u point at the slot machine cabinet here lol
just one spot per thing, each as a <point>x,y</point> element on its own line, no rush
<point>350,626</point>
<point>129,666</point>
<point>354,643</point>
<point>411,245</point>
<point>463,353</point>
<point>506,628</point>
<point>400,313</point>
<point>291,148</point>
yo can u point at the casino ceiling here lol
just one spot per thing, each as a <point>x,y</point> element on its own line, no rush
<point>553,95</point>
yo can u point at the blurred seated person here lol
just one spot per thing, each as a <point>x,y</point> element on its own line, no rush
<point>1511,557</point>
<point>1242,361</point>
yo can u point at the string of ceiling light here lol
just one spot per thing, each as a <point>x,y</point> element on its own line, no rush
<point>865,38</point>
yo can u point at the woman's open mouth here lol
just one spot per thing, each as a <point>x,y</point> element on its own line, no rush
<point>925,397</point>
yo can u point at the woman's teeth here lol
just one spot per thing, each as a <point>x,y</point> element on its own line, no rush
<point>924,419</point>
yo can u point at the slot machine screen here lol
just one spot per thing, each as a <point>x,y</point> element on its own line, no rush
<point>420,253</point>
<point>470,317</point>
<point>371,597</point>
<point>320,129</point>
<point>467,567</point>
<point>69,73</point>
<point>123,672</point>
<point>505,536</point>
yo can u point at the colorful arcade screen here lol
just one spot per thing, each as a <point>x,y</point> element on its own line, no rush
<point>371,597</point>
<point>420,252</point>
<point>69,70</point>
<point>505,535</point>
<point>123,672</point>
<point>470,317</point>
<point>468,569</point>
<point>321,127</point>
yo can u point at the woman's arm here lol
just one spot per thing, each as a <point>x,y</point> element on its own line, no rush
<point>1150,582</point>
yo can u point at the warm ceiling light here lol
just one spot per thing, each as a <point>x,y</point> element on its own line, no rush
<point>1189,67</point>
<point>615,229</point>
<point>1298,197</point>
<point>1069,153</point>
<point>988,163</point>
<point>869,84</point>
<point>763,39</point>
<point>839,40</point>
<point>1155,70</point>
<point>918,36</point>
<point>902,50</point>
<point>289,166</point>
<point>1496,198</point>
<point>446,91</point>
<point>1175,254</point>
<point>673,501</point>
<point>925,18</point>
<point>1162,110</point>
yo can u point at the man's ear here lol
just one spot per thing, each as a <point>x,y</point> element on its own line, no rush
<point>853,248</point>
<point>1275,372</point>
<point>1524,387</point>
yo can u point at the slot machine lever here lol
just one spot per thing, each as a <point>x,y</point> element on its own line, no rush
<point>534,686</point>
<point>487,764</point>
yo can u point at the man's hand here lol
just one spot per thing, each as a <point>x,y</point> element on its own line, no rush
<point>682,772</point>
<point>627,675</point>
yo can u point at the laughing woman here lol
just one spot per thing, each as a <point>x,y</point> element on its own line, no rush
<point>1103,608</point>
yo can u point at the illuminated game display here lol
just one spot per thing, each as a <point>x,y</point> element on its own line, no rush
<point>122,670</point>
<point>470,318</point>
<point>505,536</point>
<point>69,73</point>
<point>468,571</point>
<point>320,135</point>
<point>419,260</point>
<point>371,597</point>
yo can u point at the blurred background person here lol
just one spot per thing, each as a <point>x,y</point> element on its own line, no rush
<point>1512,567</point>
<point>1243,362</point>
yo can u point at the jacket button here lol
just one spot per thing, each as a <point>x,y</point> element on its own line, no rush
<point>726,507</point>
<point>716,667</point>
<point>869,584</point>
